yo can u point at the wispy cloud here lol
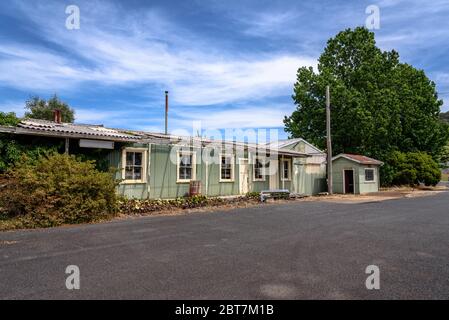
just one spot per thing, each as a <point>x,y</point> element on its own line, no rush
<point>195,72</point>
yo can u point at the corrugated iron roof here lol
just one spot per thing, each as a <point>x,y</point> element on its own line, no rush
<point>89,131</point>
<point>76,129</point>
<point>358,158</point>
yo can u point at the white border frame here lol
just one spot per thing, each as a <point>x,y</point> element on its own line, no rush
<point>182,152</point>
<point>344,180</point>
<point>232,167</point>
<point>144,152</point>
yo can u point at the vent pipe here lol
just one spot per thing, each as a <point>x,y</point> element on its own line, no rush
<point>166,112</point>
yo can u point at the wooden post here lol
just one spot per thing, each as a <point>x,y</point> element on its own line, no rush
<point>329,142</point>
<point>67,143</point>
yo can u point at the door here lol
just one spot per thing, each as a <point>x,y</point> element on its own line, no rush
<point>243,176</point>
<point>349,181</point>
<point>274,174</point>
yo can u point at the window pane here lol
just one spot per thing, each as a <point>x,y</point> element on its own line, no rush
<point>369,175</point>
<point>188,173</point>
<point>186,160</point>
<point>286,170</point>
<point>137,173</point>
<point>129,158</point>
<point>138,158</point>
<point>129,173</point>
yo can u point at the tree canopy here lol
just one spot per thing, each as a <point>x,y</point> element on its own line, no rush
<point>378,103</point>
<point>41,109</point>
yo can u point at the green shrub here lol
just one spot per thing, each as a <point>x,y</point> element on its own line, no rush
<point>253,195</point>
<point>136,206</point>
<point>57,189</point>
<point>8,119</point>
<point>410,168</point>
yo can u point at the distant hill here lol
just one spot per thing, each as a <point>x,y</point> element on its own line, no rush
<point>444,116</point>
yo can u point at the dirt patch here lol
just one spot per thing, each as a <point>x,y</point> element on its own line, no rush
<point>388,194</point>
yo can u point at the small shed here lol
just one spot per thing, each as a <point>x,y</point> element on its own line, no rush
<point>353,173</point>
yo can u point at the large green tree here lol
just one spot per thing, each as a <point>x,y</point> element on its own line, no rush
<point>41,109</point>
<point>378,103</point>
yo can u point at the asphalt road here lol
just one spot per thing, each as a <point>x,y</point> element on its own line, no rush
<point>305,250</point>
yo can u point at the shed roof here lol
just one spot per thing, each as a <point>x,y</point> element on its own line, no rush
<point>358,158</point>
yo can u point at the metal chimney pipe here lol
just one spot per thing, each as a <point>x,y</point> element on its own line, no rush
<point>166,112</point>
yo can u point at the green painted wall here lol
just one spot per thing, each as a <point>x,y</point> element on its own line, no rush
<point>161,176</point>
<point>368,186</point>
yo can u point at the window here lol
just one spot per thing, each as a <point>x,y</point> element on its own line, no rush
<point>226,168</point>
<point>186,166</point>
<point>258,170</point>
<point>133,165</point>
<point>369,175</point>
<point>286,169</point>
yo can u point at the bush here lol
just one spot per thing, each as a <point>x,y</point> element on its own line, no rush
<point>410,168</point>
<point>57,189</point>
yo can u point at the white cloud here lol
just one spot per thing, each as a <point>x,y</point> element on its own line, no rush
<point>129,50</point>
<point>246,117</point>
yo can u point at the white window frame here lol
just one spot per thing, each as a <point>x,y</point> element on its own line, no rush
<point>178,161</point>
<point>374,175</point>
<point>144,152</point>
<point>232,179</point>
<point>289,169</point>
<point>256,158</point>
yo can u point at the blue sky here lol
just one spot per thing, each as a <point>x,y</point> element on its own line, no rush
<point>228,64</point>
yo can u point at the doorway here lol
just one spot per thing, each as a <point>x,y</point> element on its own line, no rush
<point>243,176</point>
<point>348,181</point>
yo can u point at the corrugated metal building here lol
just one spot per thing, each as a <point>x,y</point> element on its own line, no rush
<point>153,165</point>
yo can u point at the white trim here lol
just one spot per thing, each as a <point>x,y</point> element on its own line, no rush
<point>232,167</point>
<point>255,158</point>
<point>184,152</point>
<point>374,175</point>
<point>289,169</point>
<point>297,140</point>
<point>144,152</point>
<point>344,180</point>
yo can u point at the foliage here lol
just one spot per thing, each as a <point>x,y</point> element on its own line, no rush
<point>444,156</point>
<point>253,195</point>
<point>8,119</point>
<point>378,104</point>
<point>411,168</point>
<point>13,148</point>
<point>57,189</point>
<point>136,206</point>
<point>42,109</point>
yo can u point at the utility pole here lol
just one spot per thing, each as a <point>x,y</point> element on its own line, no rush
<point>329,142</point>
